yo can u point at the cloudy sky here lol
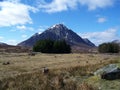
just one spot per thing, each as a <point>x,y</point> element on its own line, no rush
<point>97,20</point>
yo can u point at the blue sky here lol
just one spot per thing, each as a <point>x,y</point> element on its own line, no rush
<point>97,20</point>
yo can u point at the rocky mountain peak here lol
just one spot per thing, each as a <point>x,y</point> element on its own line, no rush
<point>58,26</point>
<point>58,32</point>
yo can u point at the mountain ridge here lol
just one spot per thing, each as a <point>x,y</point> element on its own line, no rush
<point>116,41</point>
<point>58,32</point>
<point>1,43</point>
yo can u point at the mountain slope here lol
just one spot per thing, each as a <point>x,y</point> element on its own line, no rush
<point>116,41</point>
<point>3,44</point>
<point>89,42</point>
<point>12,49</point>
<point>58,32</point>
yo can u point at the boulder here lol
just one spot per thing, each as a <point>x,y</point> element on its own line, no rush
<point>109,72</point>
<point>45,70</point>
<point>111,75</point>
<point>106,69</point>
<point>6,63</point>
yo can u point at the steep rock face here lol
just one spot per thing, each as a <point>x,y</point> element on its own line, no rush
<point>58,32</point>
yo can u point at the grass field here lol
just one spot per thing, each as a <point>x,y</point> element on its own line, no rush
<point>76,71</point>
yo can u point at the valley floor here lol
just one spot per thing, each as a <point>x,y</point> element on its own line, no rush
<point>78,66</point>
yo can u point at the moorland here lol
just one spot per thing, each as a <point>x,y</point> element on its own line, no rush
<point>73,71</point>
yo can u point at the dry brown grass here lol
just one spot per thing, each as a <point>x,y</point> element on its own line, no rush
<point>62,79</point>
<point>24,72</point>
<point>20,63</point>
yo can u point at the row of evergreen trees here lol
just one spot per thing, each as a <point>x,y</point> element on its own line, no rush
<point>50,46</point>
<point>109,48</point>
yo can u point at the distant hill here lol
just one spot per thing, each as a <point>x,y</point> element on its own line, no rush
<point>116,41</point>
<point>59,32</point>
<point>3,44</point>
<point>12,49</point>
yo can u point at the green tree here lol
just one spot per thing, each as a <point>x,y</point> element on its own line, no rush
<point>108,48</point>
<point>44,46</point>
<point>49,46</point>
<point>61,47</point>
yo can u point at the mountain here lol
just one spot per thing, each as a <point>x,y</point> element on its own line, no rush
<point>116,41</point>
<point>89,42</point>
<point>12,49</point>
<point>3,44</point>
<point>59,32</point>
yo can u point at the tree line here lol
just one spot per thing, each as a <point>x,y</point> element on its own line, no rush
<point>109,48</point>
<point>50,46</point>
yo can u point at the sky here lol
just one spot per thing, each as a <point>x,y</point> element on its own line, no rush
<point>97,20</point>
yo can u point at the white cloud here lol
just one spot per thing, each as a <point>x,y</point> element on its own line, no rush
<point>1,37</point>
<point>30,28</point>
<point>100,37</point>
<point>23,28</point>
<point>42,28</point>
<point>93,4</point>
<point>62,5</point>
<point>13,30</point>
<point>14,1</point>
<point>12,42</point>
<point>15,13</point>
<point>24,36</point>
<point>101,20</point>
<point>59,5</point>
